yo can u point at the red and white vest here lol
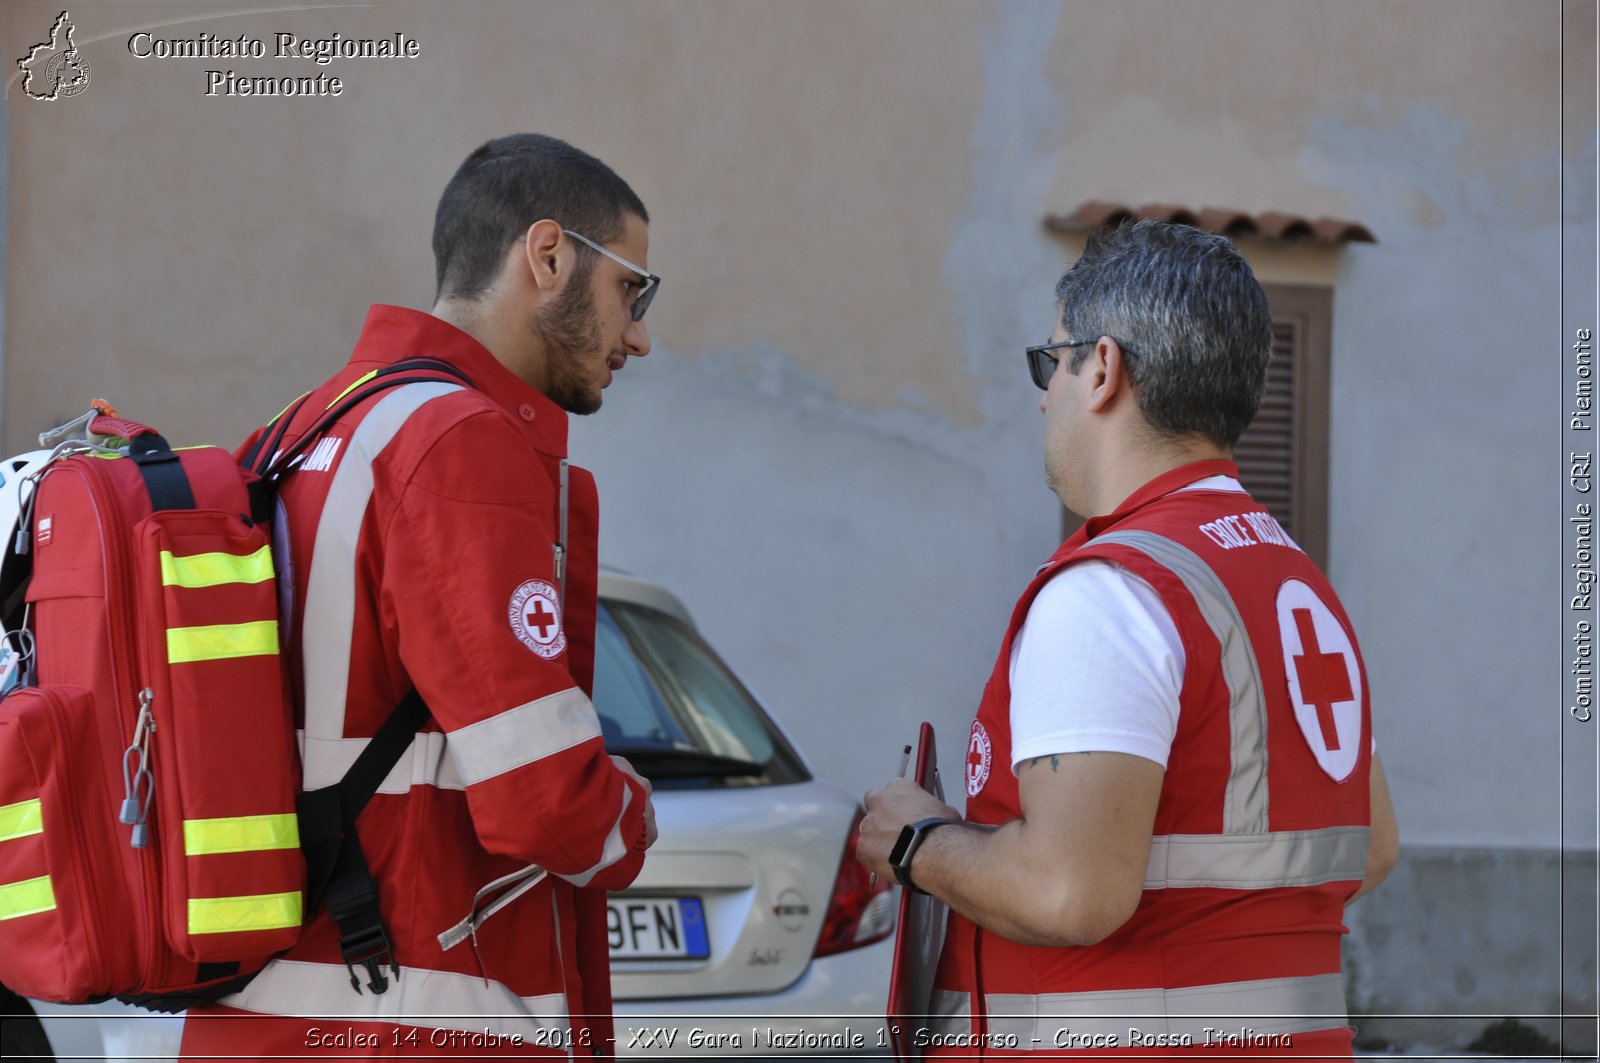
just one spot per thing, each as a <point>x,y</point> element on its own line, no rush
<point>1261,832</point>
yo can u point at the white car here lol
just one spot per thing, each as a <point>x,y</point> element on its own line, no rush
<point>751,929</point>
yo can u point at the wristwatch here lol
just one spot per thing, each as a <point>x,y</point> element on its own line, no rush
<point>906,846</point>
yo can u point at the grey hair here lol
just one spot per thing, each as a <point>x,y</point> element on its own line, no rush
<point>1189,315</point>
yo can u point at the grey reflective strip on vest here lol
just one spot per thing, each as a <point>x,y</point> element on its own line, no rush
<point>330,607</point>
<point>418,997</point>
<point>1244,808</point>
<point>1260,861</point>
<point>949,1012</point>
<point>1074,1020</point>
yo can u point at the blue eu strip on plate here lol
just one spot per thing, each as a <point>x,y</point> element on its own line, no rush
<point>696,944</point>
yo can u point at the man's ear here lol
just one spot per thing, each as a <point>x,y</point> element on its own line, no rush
<point>1108,371</point>
<point>548,254</point>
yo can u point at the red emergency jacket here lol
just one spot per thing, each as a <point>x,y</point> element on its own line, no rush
<point>1261,830</point>
<point>421,538</point>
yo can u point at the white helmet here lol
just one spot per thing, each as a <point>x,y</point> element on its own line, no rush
<point>13,473</point>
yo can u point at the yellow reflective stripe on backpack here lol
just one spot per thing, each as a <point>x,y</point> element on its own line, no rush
<point>221,641</point>
<point>214,570</point>
<point>237,915</point>
<point>240,834</point>
<point>28,897</point>
<point>21,819</point>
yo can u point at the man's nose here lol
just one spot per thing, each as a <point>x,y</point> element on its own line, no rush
<point>636,339</point>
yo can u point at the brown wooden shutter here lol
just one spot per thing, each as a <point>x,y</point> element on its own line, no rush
<point>1265,452</point>
<point>1283,455</point>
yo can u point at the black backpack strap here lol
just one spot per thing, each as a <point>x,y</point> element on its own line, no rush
<point>272,436</point>
<point>163,475</point>
<point>16,570</point>
<point>271,466</point>
<point>263,493</point>
<point>336,868</point>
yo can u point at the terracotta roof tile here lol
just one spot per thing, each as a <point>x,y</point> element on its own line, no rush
<point>1335,230</point>
<point>1281,226</point>
<point>1272,224</point>
<point>1092,215</point>
<point>1229,223</point>
<point>1166,212</point>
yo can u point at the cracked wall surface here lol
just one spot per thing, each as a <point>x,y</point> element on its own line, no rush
<point>833,454</point>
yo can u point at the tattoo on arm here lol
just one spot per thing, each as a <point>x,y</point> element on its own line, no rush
<point>1054,759</point>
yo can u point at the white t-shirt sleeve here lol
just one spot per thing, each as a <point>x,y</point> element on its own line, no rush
<point>1097,667</point>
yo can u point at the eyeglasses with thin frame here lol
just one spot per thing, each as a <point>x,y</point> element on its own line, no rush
<point>647,291</point>
<point>1041,363</point>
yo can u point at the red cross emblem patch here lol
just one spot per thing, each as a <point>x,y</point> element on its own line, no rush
<point>979,755</point>
<point>1324,678</point>
<point>535,617</point>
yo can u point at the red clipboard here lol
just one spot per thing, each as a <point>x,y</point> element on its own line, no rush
<point>919,935</point>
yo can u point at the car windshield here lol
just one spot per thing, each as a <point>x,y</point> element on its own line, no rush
<point>669,705</point>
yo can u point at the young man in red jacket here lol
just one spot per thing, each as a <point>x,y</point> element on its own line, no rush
<point>438,540</point>
<point>1172,789</point>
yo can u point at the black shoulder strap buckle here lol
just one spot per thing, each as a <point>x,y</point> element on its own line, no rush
<point>353,903</point>
<point>336,868</point>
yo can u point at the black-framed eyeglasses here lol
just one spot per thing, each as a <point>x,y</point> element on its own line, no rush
<point>647,290</point>
<point>1041,363</point>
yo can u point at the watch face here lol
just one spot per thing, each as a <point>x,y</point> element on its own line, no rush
<point>897,855</point>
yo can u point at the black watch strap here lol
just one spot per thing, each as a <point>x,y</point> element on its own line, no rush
<point>906,846</point>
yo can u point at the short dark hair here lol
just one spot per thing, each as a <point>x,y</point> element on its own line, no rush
<point>508,184</point>
<point>1187,310</point>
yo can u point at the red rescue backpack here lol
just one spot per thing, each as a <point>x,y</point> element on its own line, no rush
<point>154,843</point>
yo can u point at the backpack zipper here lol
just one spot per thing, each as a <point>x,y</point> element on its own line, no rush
<point>560,547</point>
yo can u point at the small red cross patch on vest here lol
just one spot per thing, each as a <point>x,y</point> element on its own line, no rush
<point>979,754</point>
<point>1324,678</point>
<point>535,618</point>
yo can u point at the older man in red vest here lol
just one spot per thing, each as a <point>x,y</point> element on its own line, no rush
<point>1172,784</point>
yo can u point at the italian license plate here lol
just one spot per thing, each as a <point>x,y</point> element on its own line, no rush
<point>657,928</point>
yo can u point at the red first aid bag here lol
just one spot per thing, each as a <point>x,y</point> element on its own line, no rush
<point>149,846</point>
<point>154,842</point>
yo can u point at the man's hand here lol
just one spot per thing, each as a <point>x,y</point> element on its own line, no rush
<point>649,804</point>
<point>888,810</point>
